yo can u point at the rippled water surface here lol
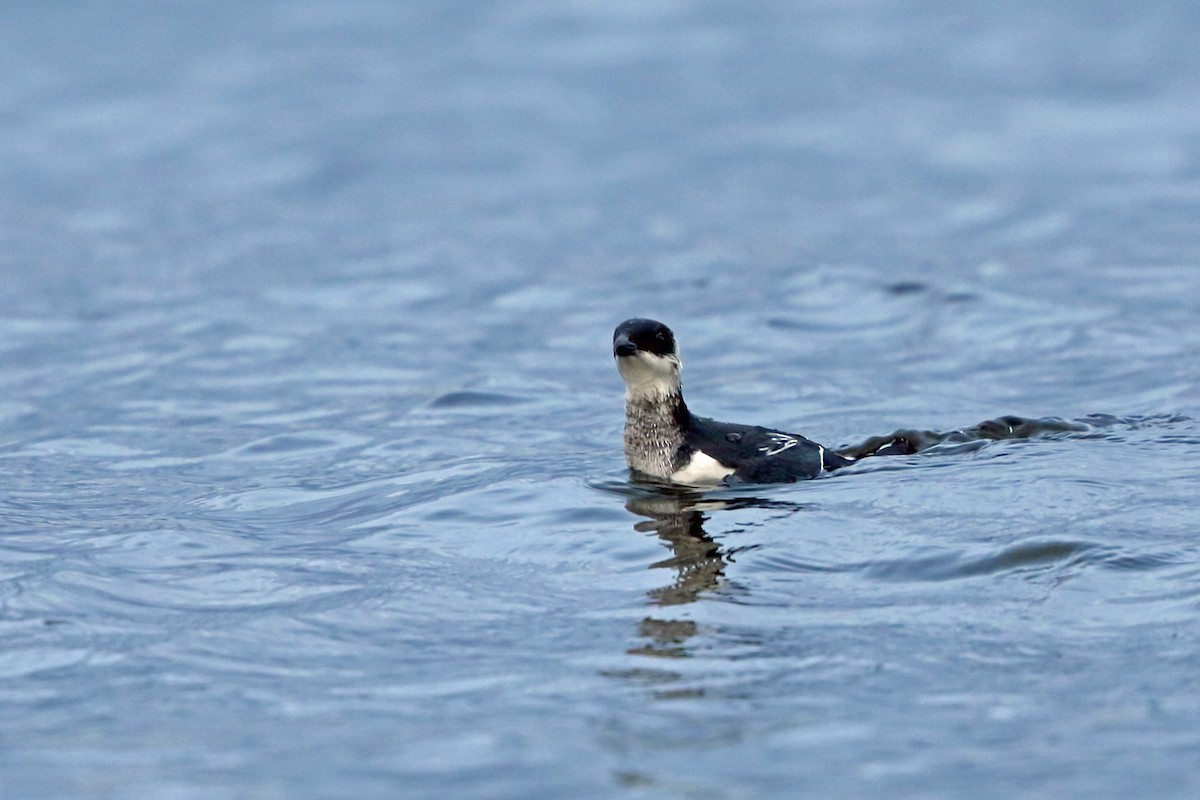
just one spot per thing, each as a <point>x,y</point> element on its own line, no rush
<point>310,433</point>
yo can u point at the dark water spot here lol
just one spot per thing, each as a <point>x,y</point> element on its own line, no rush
<point>901,288</point>
<point>786,324</point>
<point>813,324</point>
<point>469,399</point>
<point>909,288</point>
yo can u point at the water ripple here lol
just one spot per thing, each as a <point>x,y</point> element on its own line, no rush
<point>1022,557</point>
<point>948,565</point>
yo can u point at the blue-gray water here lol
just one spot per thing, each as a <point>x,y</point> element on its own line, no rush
<point>309,428</point>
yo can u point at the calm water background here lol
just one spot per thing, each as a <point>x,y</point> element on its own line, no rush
<point>309,430</point>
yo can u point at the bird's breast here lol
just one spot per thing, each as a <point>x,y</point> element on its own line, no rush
<point>701,469</point>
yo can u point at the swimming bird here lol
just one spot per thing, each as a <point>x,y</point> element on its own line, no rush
<point>666,441</point>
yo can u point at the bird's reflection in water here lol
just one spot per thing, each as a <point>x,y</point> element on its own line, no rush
<point>699,562</point>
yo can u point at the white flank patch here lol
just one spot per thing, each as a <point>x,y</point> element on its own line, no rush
<point>702,469</point>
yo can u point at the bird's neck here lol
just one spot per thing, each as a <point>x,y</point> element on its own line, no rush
<point>655,423</point>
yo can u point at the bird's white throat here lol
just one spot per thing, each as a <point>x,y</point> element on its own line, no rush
<point>649,378</point>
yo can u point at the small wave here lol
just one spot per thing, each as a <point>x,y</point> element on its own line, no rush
<point>954,565</point>
<point>1021,557</point>
<point>945,565</point>
<point>1146,561</point>
<point>469,399</point>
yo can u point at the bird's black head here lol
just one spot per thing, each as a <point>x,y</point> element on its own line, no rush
<point>644,335</point>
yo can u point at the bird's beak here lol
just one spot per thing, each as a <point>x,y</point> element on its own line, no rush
<point>623,347</point>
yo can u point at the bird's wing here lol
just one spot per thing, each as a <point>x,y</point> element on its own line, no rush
<point>758,455</point>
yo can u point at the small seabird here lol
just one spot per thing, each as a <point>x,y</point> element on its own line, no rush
<point>664,440</point>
